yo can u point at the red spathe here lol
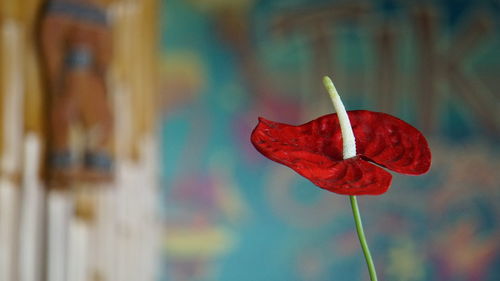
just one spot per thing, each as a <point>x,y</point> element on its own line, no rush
<point>314,150</point>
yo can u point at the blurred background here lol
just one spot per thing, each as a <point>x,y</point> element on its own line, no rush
<point>189,198</point>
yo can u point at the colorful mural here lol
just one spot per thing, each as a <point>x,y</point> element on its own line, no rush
<point>232,215</point>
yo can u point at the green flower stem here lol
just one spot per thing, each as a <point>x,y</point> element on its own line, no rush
<point>362,238</point>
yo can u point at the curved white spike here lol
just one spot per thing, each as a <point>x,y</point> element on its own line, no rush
<point>348,140</point>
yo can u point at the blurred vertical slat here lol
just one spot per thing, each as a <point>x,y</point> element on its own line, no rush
<point>35,96</point>
<point>32,201</point>
<point>9,198</point>
<point>11,54</point>
<point>148,23</point>
<point>78,238</point>
<point>31,213</point>
<point>59,212</point>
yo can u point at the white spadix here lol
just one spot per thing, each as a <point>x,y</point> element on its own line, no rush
<point>348,140</point>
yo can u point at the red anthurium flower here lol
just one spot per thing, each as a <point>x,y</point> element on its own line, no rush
<point>315,150</point>
<point>338,152</point>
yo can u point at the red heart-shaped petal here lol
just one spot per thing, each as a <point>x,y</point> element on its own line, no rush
<point>390,142</point>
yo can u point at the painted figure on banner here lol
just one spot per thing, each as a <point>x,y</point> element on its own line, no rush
<point>75,39</point>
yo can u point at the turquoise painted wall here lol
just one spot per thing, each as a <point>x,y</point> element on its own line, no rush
<point>230,214</point>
